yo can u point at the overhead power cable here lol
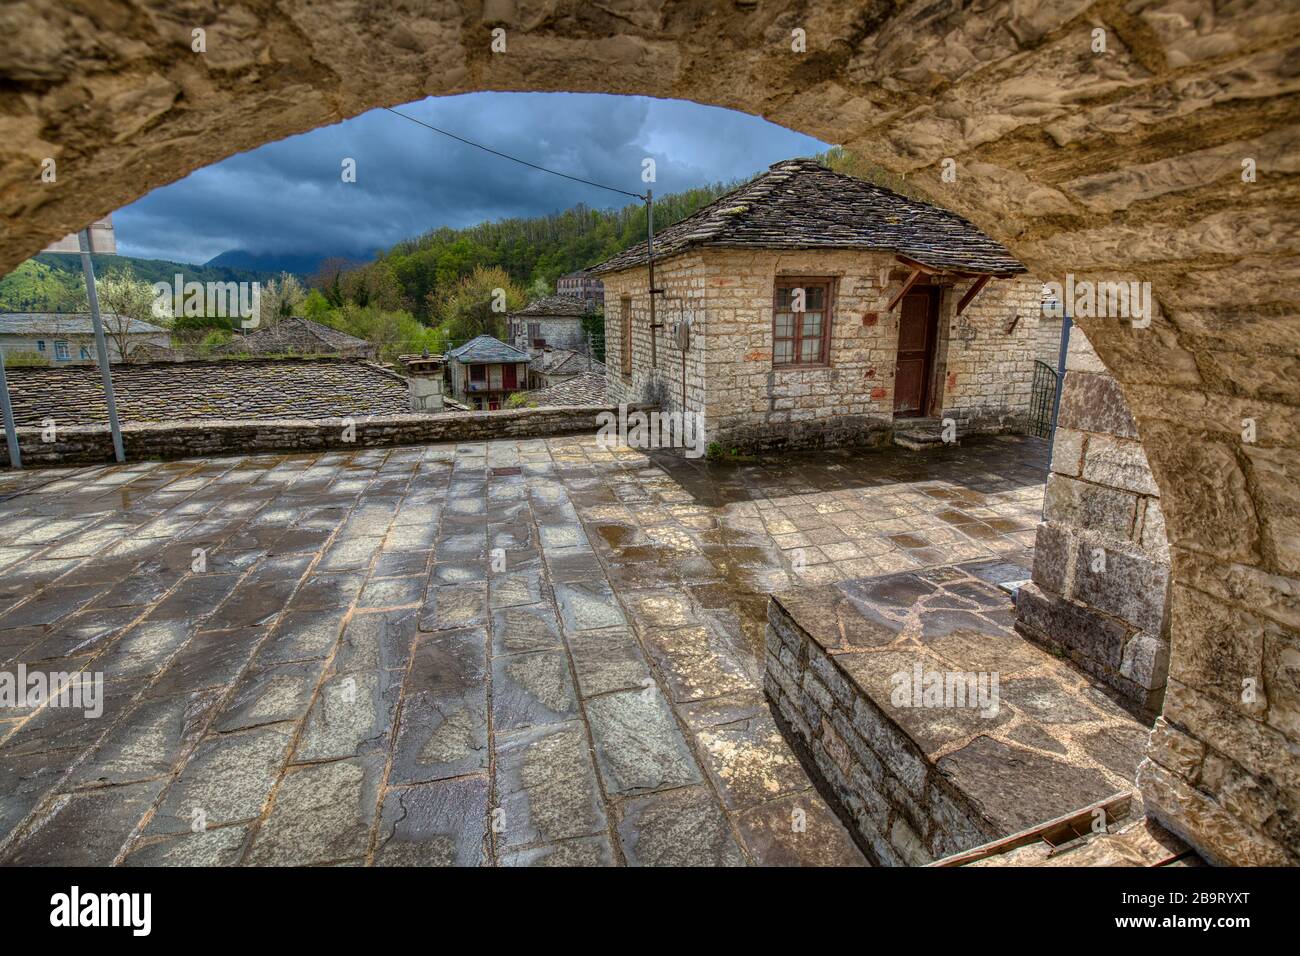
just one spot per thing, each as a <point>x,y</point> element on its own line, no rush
<point>514,159</point>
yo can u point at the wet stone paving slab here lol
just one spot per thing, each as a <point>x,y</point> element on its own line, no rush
<point>519,653</point>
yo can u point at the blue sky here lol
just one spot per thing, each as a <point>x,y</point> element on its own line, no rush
<point>288,198</point>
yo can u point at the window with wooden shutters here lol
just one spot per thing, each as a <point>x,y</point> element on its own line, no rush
<point>801,321</point>
<point>625,310</point>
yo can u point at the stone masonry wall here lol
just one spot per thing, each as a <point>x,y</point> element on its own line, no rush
<point>94,445</point>
<point>906,814</point>
<point>629,289</point>
<point>1048,347</point>
<point>1100,589</point>
<point>984,358</point>
<point>558,332</point>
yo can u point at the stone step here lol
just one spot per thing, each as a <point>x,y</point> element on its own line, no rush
<point>918,440</point>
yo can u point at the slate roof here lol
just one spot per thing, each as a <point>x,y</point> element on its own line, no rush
<point>485,348</point>
<point>69,323</point>
<point>300,336</point>
<point>225,389</point>
<point>564,362</point>
<point>585,389</point>
<point>800,204</point>
<point>554,306</point>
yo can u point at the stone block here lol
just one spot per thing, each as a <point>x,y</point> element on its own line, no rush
<point>1282,681</point>
<point>1053,548</point>
<point>1146,661</point>
<point>1175,750</point>
<point>1131,587</point>
<point>1218,836</point>
<point>1220,650</point>
<point>1258,748</point>
<point>1077,504</point>
<point>1093,402</point>
<point>908,845</point>
<point>895,751</point>
<point>1118,463</point>
<point>1072,626</point>
<point>1067,452</point>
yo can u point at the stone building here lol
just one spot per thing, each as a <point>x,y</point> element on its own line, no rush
<point>584,286</point>
<point>69,337</point>
<point>299,336</point>
<point>908,311</point>
<point>555,321</point>
<point>486,371</point>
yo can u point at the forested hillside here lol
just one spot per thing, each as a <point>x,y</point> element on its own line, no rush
<point>533,252</point>
<point>52,282</point>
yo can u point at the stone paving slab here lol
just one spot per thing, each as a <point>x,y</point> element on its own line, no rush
<point>523,653</point>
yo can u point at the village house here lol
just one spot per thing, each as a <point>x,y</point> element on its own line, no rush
<point>298,336</point>
<point>485,371</point>
<point>69,337</point>
<point>555,320</point>
<point>550,366</point>
<point>809,308</point>
<point>584,286</point>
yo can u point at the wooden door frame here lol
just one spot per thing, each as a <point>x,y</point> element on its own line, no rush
<point>935,295</point>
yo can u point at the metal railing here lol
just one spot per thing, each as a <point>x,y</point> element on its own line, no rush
<point>1042,399</point>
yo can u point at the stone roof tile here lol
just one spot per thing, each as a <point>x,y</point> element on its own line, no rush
<point>800,204</point>
<point>217,390</point>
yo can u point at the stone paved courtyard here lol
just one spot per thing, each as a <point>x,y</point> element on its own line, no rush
<point>513,652</point>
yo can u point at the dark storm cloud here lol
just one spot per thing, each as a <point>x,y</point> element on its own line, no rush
<point>287,198</point>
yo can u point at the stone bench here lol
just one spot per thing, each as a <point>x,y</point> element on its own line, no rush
<point>933,726</point>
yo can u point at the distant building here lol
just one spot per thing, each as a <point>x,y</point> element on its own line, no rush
<point>582,285</point>
<point>587,388</point>
<point>485,371</point>
<point>298,336</point>
<point>550,366</point>
<point>69,337</point>
<point>553,321</point>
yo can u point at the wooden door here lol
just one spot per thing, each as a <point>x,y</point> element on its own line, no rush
<point>917,331</point>
<point>509,376</point>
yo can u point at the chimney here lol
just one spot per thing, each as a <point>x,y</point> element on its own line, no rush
<point>424,382</point>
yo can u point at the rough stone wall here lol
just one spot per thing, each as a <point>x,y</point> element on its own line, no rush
<point>1100,590</point>
<point>1126,162</point>
<point>560,333</point>
<point>907,815</point>
<point>682,278</point>
<point>1048,346</point>
<point>85,445</point>
<point>983,360</point>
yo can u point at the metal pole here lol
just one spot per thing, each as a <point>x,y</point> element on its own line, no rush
<point>101,347</point>
<point>11,430</point>
<point>1060,383</point>
<point>650,251</point>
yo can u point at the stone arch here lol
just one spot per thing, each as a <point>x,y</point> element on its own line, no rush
<point>1126,164</point>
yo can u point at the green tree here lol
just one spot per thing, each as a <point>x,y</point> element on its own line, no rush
<point>127,307</point>
<point>281,298</point>
<point>478,304</point>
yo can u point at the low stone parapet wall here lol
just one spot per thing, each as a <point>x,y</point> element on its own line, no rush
<point>87,445</point>
<point>916,779</point>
